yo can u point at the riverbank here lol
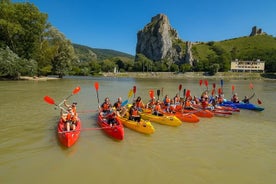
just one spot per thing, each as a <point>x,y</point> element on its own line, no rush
<point>37,78</point>
<point>188,75</point>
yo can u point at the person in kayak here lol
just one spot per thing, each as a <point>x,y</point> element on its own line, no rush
<point>134,114</point>
<point>151,103</point>
<point>246,99</point>
<point>166,102</point>
<point>120,111</point>
<point>157,110</point>
<point>139,104</point>
<point>73,106</point>
<point>235,98</point>
<point>71,120</point>
<point>106,106</point>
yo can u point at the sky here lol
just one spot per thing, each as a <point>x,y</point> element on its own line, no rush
<point>114,24</point>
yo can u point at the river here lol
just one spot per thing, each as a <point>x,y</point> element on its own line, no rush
<point>237,149</point>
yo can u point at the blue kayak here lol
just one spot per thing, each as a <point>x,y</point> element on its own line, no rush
<point>241,105</point>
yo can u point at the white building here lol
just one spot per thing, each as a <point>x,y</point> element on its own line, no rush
<point>247,66</point>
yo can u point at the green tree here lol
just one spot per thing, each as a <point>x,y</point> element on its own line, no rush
<point>21,27</point>
<point>62,54</point>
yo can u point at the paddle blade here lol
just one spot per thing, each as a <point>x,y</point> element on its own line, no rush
<point>180,87</point>
<point>188,93</point>
<point>151,94</point>
<point>134,89</point>
<point>214,85</point>
<point>184,92</point>
<point>221,82</point>
<point>206,83</point>
<point>259,101</point>
<point>96,85</point>
<point>76,90</point>
<point>130,93</point>
<point>251,86</point>
<point>158,92</point>
<point>124,102</point>
<point>200,82</point>
<point>233,88</point>
<point>219,91</point>
<point>49,100</point>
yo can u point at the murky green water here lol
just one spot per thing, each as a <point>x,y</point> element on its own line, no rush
<point>238,149</point>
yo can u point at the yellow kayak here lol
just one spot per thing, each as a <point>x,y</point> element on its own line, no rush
<point>143,126</point>
<point>164,120</point>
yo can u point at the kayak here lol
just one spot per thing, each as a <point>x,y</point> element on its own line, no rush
<point>201,112</point>
<point>68,138</point>
<point>164,120</point>
<point>187,117</point>
<point>241,105</point>
<point>116,131</point>
<point>143,126</point>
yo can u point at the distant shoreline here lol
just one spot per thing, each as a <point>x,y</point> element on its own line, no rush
<point>44,78</point>
<point>168,75</point>
<point>188,75</point>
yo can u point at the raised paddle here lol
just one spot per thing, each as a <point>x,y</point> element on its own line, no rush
<point>51,101</point>
<point>151,94</point>
<point>158,93</point>
<point>233,89</point>
<point>200,82</point>
<point>179,88</point>
<point>96,85</point>
<point>134,91</point>
<point>221,85</point>
<point>128,97</point>
<point>252,87</point>
<point>75,91</point>
<point>206,84</point>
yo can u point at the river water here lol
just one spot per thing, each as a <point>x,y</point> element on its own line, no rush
<point>237,149</point>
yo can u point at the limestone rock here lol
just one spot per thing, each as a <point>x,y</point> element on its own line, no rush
<point>158,41</point>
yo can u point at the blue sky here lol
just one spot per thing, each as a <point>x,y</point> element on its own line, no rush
<point>113,24</point>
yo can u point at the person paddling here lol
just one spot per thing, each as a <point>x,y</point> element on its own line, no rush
<point>246,99</point>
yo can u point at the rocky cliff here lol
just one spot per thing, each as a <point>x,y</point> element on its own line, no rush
<point>159,41</point>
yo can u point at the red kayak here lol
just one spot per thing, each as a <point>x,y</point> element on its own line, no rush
<point>200,112</point>
<point>115,131</point>
<point>187,117</point>
<point>68,138</point>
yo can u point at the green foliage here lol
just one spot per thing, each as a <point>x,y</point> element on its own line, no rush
<point>245,48</point>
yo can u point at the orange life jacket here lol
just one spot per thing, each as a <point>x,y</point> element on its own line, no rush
<point>139,104</point>
<point>105,106</point>
<point>134,112</point>
<point>157,108</point>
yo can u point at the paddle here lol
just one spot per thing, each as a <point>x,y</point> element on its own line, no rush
<point>128,97</point>
<point>221,85</point>
<point>179,88</point>
<point>206,84</point>
<point>96,85</point>
<point>219,91</point>
<point>200,82</point>
<point>151,94</point>
<point>75,91</point>
<point>51,101</point>
<point>158,93</point>
<point>134,91</point>
<point>214,89</point>
<point>252,87</point>
<point>233,89</point>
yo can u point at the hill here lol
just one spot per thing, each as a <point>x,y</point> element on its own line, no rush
<point>86,53</point>
<point>261,47</point>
